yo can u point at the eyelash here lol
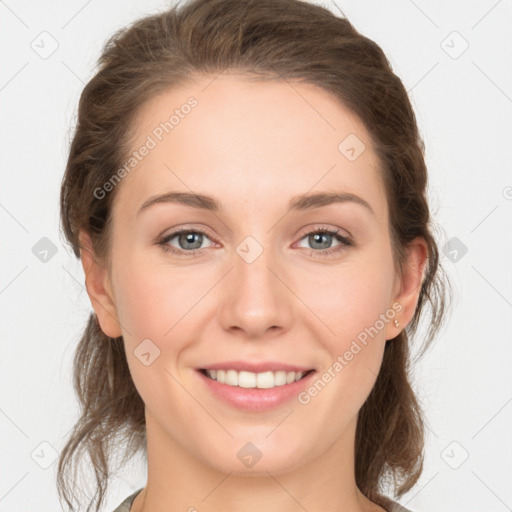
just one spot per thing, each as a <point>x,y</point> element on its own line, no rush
<point>345,242</point>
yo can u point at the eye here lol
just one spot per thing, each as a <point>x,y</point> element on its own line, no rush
<point>321,238</point>
<point>189,242</point>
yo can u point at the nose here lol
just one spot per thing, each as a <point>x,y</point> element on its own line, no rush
<point>256,300</point>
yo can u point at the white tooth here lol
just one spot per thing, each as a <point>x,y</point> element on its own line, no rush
<point>247,380</point>
<point>265,380</point>
<point>280,378</point>
<point>231,378</point>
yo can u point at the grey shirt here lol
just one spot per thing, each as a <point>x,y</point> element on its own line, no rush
<point>127,503</point>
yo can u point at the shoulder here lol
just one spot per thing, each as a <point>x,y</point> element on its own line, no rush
<point>127,503</point>
<point>391,506</point>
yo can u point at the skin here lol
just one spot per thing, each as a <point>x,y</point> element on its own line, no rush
<point>252,145</point>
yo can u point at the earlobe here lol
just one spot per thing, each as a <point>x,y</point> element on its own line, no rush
<point>98,288</point>
<point>409,285</point>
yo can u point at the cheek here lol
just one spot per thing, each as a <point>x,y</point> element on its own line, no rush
<point>154,304</point>
<point>350,300</point>
<point>161,304</point>
<point>152,299</point>
<point>353,307</point>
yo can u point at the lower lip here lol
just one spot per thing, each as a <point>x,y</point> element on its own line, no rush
<point>255,399</point>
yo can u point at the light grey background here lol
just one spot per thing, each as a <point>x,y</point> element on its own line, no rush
<point>463,101</point>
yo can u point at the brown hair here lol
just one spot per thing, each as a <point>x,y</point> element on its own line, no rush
<point>271,39</point>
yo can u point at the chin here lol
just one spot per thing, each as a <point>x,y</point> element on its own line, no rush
<point>256,457</point>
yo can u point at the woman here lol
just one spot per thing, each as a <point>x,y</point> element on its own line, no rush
<point>266,365</point>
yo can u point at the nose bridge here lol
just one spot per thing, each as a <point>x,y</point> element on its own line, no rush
<point>253,270</point>
<point>256,299</point>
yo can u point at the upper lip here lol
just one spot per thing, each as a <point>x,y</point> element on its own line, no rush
<point>264,366</point>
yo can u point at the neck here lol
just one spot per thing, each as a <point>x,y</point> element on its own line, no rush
<point>179,480</point>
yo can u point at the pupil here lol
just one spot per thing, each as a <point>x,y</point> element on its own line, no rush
<point>189,238</point>
<point>317,236</point>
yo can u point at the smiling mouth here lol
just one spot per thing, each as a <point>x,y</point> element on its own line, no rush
<point>263,380</point>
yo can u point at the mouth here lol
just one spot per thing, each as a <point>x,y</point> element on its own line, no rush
<point>269,385</point>
<point>252,380</point>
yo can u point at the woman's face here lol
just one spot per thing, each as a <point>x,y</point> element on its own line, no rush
<point>251,282</point>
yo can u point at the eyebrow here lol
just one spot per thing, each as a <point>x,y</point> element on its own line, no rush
<point>297,203</point>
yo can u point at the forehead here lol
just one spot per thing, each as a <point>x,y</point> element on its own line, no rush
<point>249,141</point>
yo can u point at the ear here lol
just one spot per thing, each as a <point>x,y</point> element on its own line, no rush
<point>408,286</point>
<point>98,288</point>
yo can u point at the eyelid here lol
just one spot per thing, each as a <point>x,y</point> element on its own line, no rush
<point>187,227</point>
<point>310,228</point>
